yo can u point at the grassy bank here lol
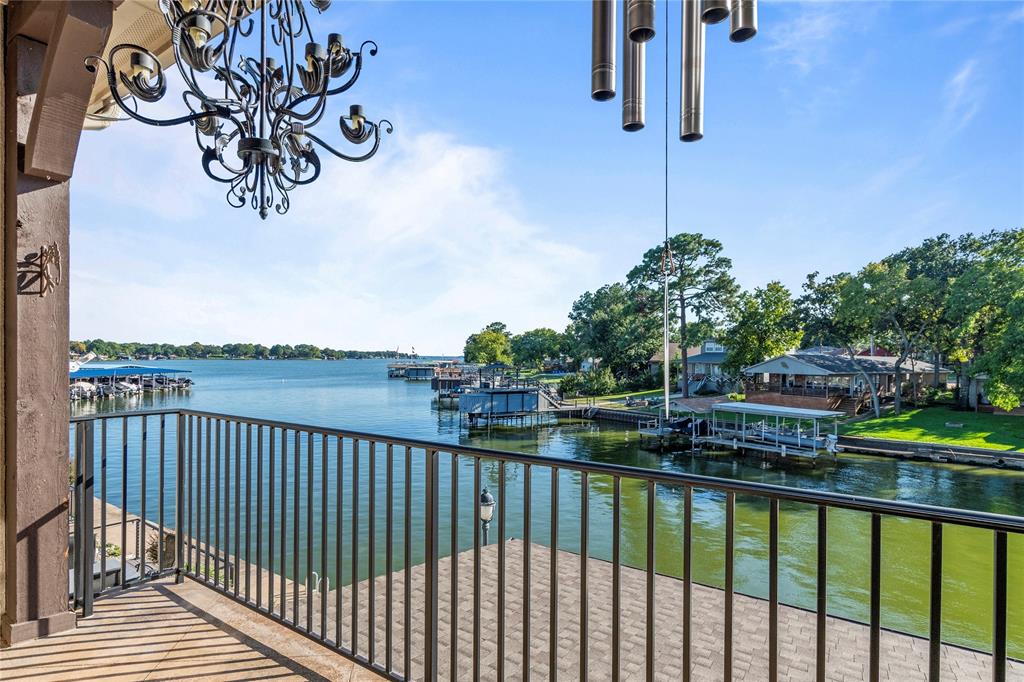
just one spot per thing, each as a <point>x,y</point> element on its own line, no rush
<point>999,432</point>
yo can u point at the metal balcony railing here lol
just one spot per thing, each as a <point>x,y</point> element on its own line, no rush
<point>271,514</point>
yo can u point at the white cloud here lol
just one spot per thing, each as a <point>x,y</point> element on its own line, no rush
<point>963,94</point>
<point>421,246</point>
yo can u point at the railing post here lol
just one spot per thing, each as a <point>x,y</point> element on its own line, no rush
<point>179,507</point>
<point>430,646</point>
<point>88,541</point>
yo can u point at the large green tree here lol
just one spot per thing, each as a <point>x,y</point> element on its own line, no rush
<point>986,307</point>
<point>489,345</point>
<point>699,281</point>
<point>896,307</point>
<point>532,348</point>
<point>612,325</point>
<point>760,325</point>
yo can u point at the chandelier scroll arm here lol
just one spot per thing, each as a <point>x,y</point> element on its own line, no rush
<point>90,64</point>
<point>383,123</point>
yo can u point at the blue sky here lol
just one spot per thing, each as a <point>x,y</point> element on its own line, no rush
<point>842,132</point>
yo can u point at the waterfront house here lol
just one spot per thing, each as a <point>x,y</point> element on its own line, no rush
<point>827,378</point>
<point>246,588</point>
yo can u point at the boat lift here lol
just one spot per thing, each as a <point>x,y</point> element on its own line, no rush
<point>774,429</point>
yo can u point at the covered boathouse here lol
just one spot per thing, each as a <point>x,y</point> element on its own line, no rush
<point>773,429</point>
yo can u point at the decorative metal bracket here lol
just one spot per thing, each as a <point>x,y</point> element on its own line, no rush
<point>40,272</point>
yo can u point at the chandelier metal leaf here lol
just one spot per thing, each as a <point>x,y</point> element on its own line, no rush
<point>252,117</point>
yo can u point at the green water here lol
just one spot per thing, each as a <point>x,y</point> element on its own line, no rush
<point>357,395</point>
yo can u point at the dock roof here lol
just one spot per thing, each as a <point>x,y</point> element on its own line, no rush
<point>124,371</point>
<point>775,410</point>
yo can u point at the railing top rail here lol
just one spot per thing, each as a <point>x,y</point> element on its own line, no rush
<point>964,517</point>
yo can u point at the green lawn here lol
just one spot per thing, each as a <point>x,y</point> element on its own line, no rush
<point>999,432</point>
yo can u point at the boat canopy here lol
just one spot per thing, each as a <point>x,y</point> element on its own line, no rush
<point>775,411</point>
<point>125,371</point>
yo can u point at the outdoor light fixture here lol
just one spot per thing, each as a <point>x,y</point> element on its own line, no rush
<point>638,28</point>
<point>252,116</point>
<point>486,511</point>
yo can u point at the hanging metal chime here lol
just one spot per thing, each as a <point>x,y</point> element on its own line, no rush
<point>637,30</point>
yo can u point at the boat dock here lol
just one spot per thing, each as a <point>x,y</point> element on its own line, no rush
<point>88,383</point>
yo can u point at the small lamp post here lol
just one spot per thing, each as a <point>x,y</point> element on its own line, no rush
<point>486,511</point>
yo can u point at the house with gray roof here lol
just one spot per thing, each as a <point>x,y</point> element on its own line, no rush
<point>827,378</point>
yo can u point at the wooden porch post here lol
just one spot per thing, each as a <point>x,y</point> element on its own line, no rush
<point>46,90</point>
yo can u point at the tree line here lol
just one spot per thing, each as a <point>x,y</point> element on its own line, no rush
<point>234,351</point>
<point>956,301</point>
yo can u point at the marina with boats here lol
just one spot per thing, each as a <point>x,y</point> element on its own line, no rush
<point>91,383</point>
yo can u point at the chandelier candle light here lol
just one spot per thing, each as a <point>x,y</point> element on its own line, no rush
<point>252,117</point>
<point>637,30</point>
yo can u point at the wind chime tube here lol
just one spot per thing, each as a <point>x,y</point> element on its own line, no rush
<point>715,11</point>
<point>743,20</point>
<point>639,16</point>
<point>602,54</point>
<point>634,62</point>
<point>691,114</point>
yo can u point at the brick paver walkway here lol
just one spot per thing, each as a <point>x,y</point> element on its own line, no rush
<point>904,659</point>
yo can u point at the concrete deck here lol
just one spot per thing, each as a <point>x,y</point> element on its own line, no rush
<point>163,631</point>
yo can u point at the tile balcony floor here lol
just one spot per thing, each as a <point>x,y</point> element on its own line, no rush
<point>163,631</point>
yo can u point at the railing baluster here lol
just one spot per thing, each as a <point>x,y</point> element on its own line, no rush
<point>140,543</point>
<point>616,577</point>
<point>238,507</point>
<point>371,553</point>
<point>124,503</point>
<point>453,645</point>
<point>430,627</point>
<point>355,547</point>
<point>338,535</point>
<point>87,538</point>
<point>584,573</point>
<point>822,593</point>
<point>935,610</point>
<point>553,603</point>
<point>407,574</point>
<point>324,580</point>
<point>501,570</point>
<point>179,498</point>
<point>270,520</point>
<point>160,500</point>
<point>248,510</point>
<point>687,581</point>
<point>999,576</point>
<point>259,514</point>
<point>649,670</point>
<point>103,506</point>
<point>206,507</point>
<point>876,596</point>
<point>730,532</point>
<point>527,541</point>
<point>773,590</point>
<point>389,567</point>
<point>310,585</point>
<point>296,526</point>
<point>283,592</point>
<point>476,573</point>
<point>216,549</point>
<point>226,426</point>
<point>194,446</point>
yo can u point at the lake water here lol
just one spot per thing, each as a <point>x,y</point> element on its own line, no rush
<point>357,395</point>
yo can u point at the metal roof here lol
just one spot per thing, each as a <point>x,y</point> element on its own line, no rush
<point>125,371</point>
<point>711,357</point>
<point>775,410</point>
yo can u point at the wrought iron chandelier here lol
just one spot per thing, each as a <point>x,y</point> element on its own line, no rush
<point>252,117</point>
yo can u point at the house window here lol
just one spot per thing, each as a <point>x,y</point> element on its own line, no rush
<point>712,347</point>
